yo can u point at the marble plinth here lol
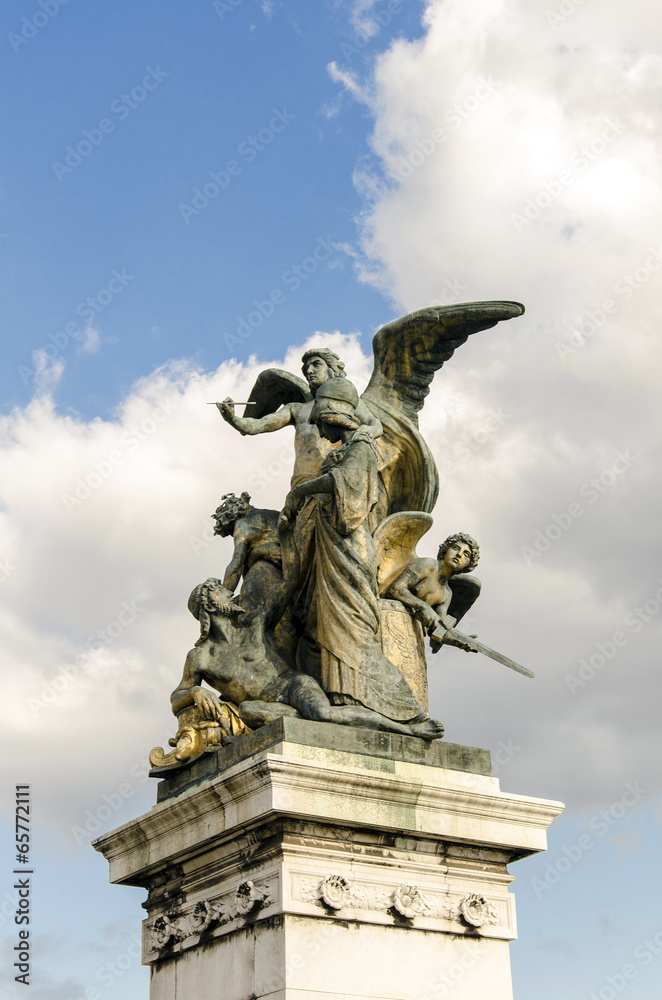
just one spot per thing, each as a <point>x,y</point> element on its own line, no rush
<point>370,866</point>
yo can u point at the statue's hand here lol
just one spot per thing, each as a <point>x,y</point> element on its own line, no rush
<point>293,504</point>
<point>208,703</point>
<point>428,618</point>
<point>226,409</point>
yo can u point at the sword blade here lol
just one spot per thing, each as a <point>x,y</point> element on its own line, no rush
<point>480,647</point>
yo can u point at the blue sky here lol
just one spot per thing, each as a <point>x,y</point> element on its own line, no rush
<point>371,158</point>
<point>220,74</point>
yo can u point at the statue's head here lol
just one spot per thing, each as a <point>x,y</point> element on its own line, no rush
<point>335,405</point>
<point>211,598</point>
<point>459,552</point>
<point>319,364</point>
<point>230,509</point>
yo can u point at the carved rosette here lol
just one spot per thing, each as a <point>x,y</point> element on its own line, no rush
<point>335,891</point>
<point>166,931</point>
<point>476,911</point>
<point>248,898</point>
<point>408,901</point>
<point>202,916</point>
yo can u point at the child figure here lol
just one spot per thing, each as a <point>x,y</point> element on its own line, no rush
<point>425,586</point>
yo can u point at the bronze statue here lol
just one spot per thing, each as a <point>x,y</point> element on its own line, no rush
<point>425,586</point>
<point>343,612</point>
<point>244,666</point>
<point>305,636</point>
<point>407,354</point>
<point>257,557</point>
<point>275,387</point>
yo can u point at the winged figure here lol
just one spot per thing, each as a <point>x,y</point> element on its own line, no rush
<point>407,353</point>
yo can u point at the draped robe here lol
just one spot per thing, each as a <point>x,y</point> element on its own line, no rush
<point>344,616</point>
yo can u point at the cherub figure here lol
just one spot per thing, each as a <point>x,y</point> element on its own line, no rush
<point>425,586</point>
<point>255,535</point>
<point>257,558</point>
<point>247,669</point>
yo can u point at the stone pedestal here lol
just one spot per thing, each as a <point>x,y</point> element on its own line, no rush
<point>317,862</point>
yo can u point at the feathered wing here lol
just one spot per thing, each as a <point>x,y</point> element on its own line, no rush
<point>407,353</point>
<point>465,590</point>
<point>273,388</point>
<point>395,540</point>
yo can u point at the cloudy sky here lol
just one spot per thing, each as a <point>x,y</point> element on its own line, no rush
<point>190,193</point>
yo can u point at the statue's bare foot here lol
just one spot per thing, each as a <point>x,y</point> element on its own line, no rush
<point>428,730</point>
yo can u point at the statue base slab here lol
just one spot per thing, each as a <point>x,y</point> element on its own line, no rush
<point>316,862</point>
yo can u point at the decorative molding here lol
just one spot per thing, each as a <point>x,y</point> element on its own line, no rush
<point>336,891</point>
<point>249,898</point>
<point>171,929</point>
<point>202,916</point>
<point>477,911</point>
<point>410,902</point>
<point>167,930</point>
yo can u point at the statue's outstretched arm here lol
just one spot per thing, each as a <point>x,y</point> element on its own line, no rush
<point>258,425</point>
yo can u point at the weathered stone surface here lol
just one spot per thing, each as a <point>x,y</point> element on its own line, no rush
<point>307,871</point>
<point>276,735</point>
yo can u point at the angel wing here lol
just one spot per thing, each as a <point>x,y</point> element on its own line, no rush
<point>410,350</point>
<point>407,353</point>
<point>395,540</point>
<point>273,388</point>
<point>465,589</point>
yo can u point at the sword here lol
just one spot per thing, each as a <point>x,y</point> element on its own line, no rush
<point>440,632</point>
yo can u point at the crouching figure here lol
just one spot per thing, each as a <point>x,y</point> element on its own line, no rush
<point>256,683</point>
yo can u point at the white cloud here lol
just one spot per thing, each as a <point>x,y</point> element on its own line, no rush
<point>103,534</point>
<point>510,158</point>
<point>91,342</point>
